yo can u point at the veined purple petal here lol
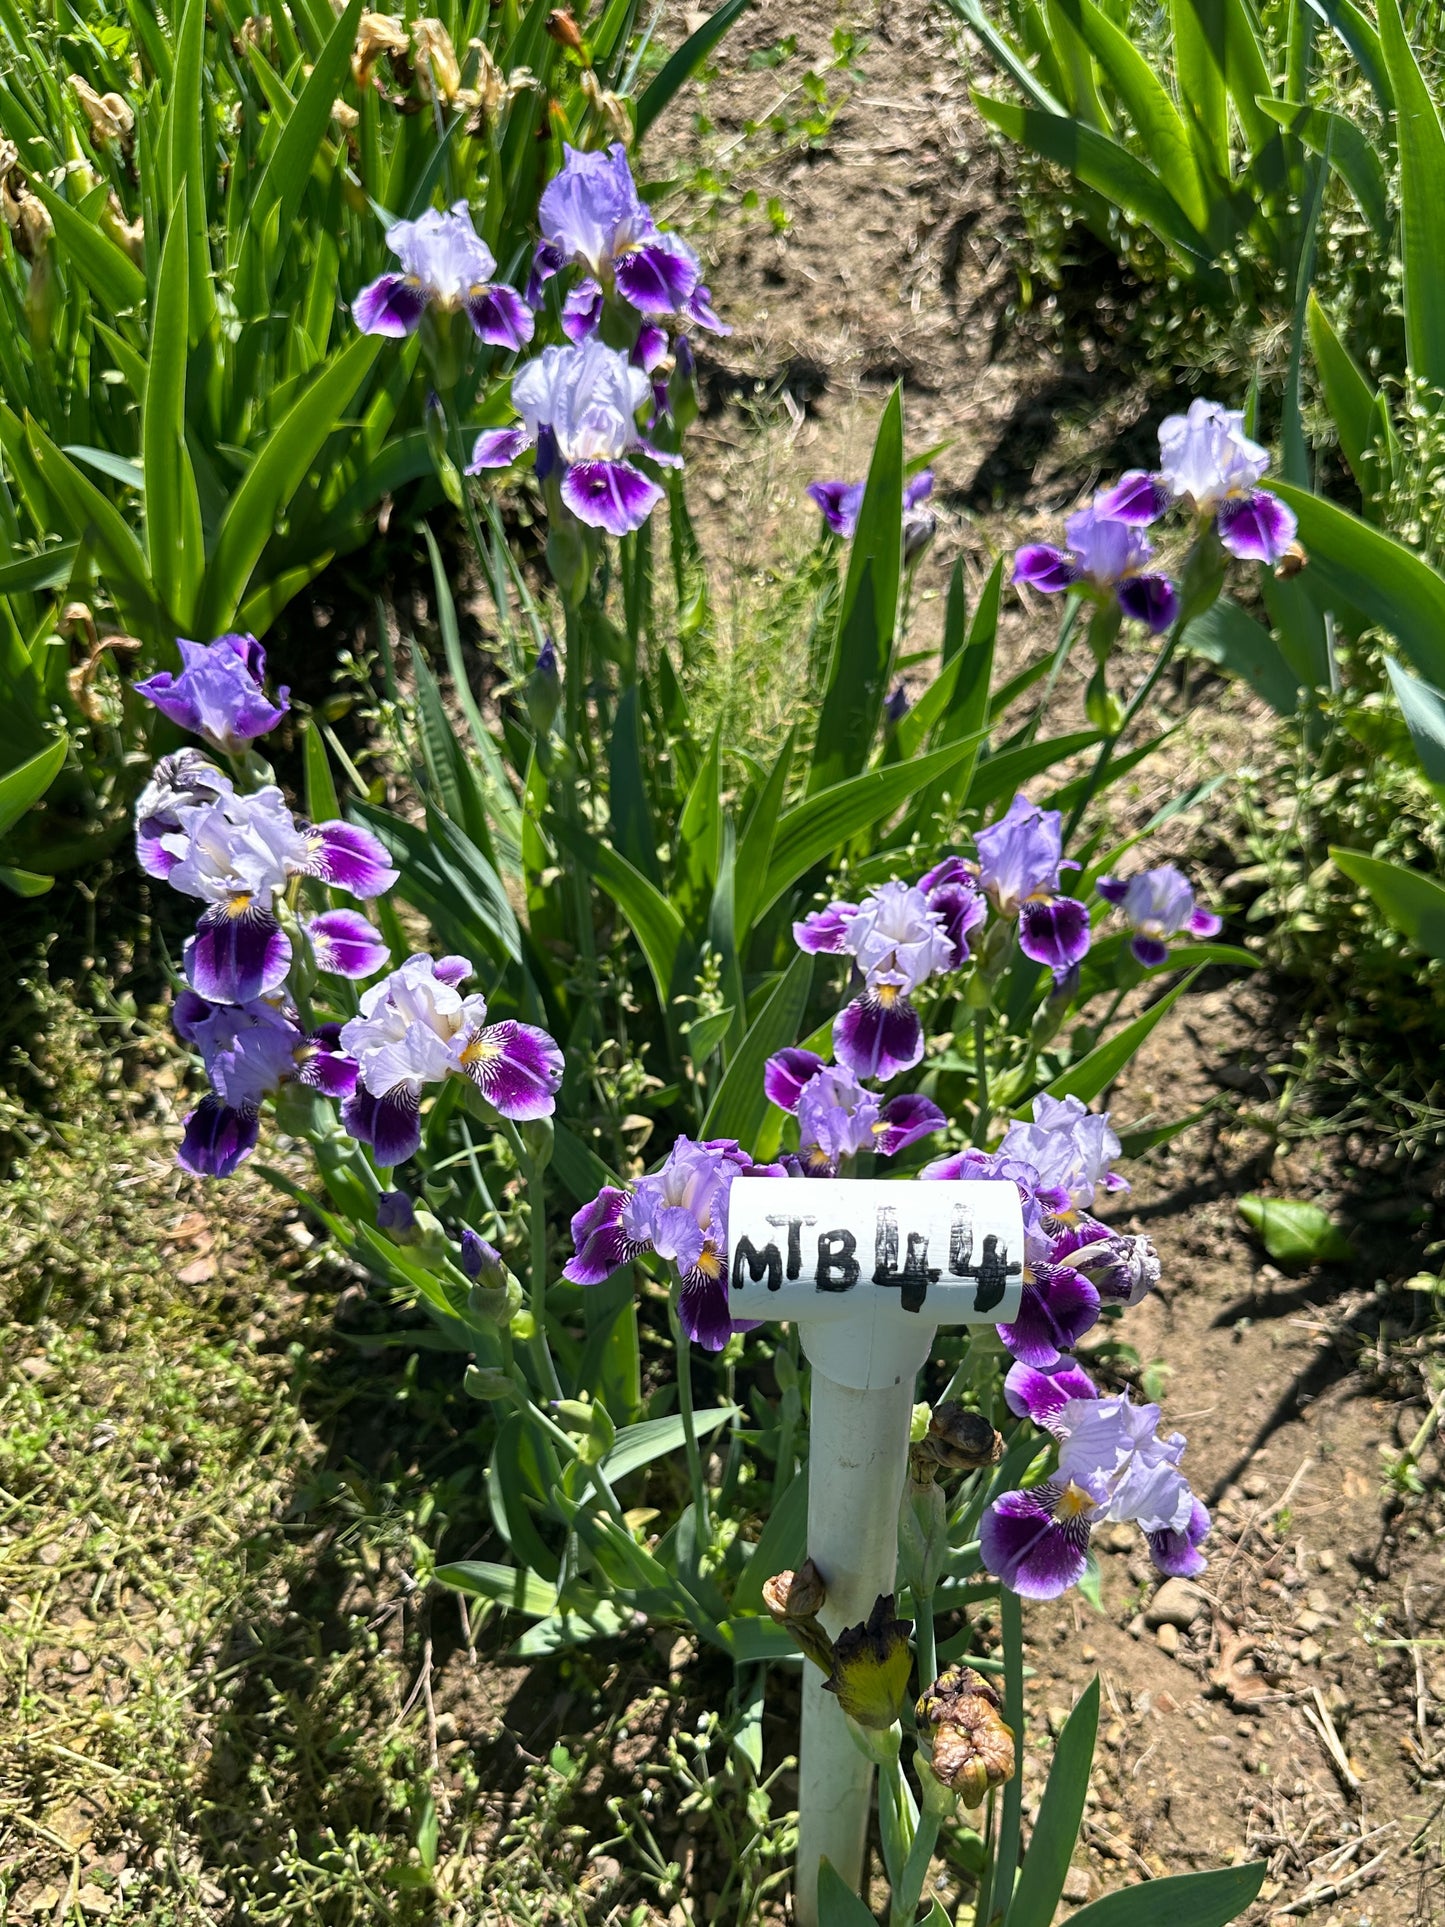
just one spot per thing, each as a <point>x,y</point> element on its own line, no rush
<point>500,316</point>
<point>326,1067</point>
<point>658,277</point>
<point>1042,1396</point>
<point>877,1039</point>
<point>597,1234</point>
<point>702,1310</point>
<point>1054,932</point>
<point>497,448</point>
<point>1257,527</point>
<point>1034,1552</point>
<point>346,945</point>
<point>613,496</point>
<point>963,907</point>
<point>1150,951</point>
<point>516,1067</point>
<point>1045,568</point>
<point>785,1074</point>
<point>547,261</point>
<point>1056,1308</point>
<point>904,1120</point>
<point>1137,497</point>
<point>1150,599</point>
<point>237,954</point>
<point>351,858</point>
<point>391,1125</point>
<point>452,970</point>
<point>582,312</point>
<point>1177,1553</point>
<point>825,932</point>
<point>394,305</point>
<point>216,1138</point>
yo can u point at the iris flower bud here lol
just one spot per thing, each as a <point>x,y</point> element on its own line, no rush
<point>794,1599</point>
<point>961,1440</point>
<point>971,1746</point>
<point>871,1663</point>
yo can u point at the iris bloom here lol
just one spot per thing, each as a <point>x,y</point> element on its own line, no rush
<point>219,693</point>
<point>899,936</point>
<point>1122,1268</point>
<point>579,411</point>
<point>841,501</point>
<point>837,1117</point>
<point>1159,904</point>
<point>591,215</point>
<point>1021,863</point>
<point>445,264</point>
<point>1106,558</point>
<point>417,1028</point>
<point>681,1214</point>
<point>1070,1147</point>
<point>1112,1465</point>
<point>1208,462</point>
<point>249,1051</point>
<point>238,854</point>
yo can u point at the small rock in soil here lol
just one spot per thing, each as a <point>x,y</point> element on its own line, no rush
<point>1076,1884</point>
<point>1177,1603</point>
<point>1167,1638</point>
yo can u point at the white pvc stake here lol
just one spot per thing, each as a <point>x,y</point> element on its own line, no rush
<point>868,1269</point>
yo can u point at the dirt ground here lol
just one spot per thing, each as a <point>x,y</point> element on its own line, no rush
<point>1292,1706</point>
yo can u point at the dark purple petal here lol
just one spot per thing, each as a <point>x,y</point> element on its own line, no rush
<point>785,1074</point>
<point>1113,889</point>
<point>650,348</point>
<point>1137,497</point>
<point>395,1212</point>
<point>1177,1553</point>
<point>582,311</point>
<point>840,503</point>
<point>879,1040</point>
<point>393,305</point>
<point>822,932</point>
<point>1204,923</point>
<point>188,1013</point>
<point>656,278</point>
<point>351,858</point>
<point>1041,1396</point>
<point>500,317</point>
<point>478,1257</point>
<point>905,1120</point>
<point>1258,527</point>
<point>516,1067</point>
<point>963,907</point>
<point>547,261</point>
<point>1150,951</point>
<point>597,1234</point>
<point>610,495</point>
<point>391,1125</point>
<point>345,944</point>
<point>700,309</point>
<point>1044,567</point>
<point>702,1310</point>
<point>497,448</point>
<point>1035,1554</point>
<point>1055,932</point>
<point>236,955</point>
<point>952,869</point>
<point>1150,599</point>
<point>216,1138</point>
<point>1056,1308</point>
<point>326,1067</point>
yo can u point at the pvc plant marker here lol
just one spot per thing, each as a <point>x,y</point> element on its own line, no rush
<point>868,1270</point>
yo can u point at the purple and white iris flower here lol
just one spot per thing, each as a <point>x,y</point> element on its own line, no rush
<point>1107,559</point>
<point>417,1028</point>
<point>1122,1267</point>
<point>445,264</point>
<point>1021,862</point>
<point>841,501</point>
<point>681,1214</point>
<point>219,693</point>
<point>592,216</point>
<point>1208,462</point>
<point>1113,1465</point>
<point>898,938</point>
<point>837,1117</point>
<point>1158,904</point>
<point>249,1051</point>
<point>238,854</point>
<point>1070,1147</point>
<point>579,411</point>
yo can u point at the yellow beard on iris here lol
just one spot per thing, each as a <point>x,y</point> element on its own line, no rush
<point>1073,1502</point>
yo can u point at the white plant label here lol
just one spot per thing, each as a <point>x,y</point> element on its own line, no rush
<point>939,1253</point>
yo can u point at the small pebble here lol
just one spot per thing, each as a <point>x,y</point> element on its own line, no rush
<point>1311,1652</point>
<point>1325,1560</point>
<point>1167,1638</point>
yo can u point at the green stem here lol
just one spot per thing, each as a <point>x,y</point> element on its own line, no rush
<point>909,1889</point>
<point>1111,743</point>
<point>689,1428</point>
<point>575,715</point>
<point>925,1639</point>
<point>890,1820</point>
<point>982,1114</point>
<point>537,1280</point>
<point>1011,1827</point>
<point>983,1898</point>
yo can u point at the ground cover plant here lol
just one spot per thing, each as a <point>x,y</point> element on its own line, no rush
<point>642,908</point>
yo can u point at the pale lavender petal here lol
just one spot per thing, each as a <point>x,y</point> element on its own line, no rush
<point>497,448</point>
<point>346,945</point>
<point>394,306</point>
<point>879,1040</point>
<point>918,488</point>
<point>1258,528</point>
<point>613,496</point>
<point>516,1067</point>
<point>500,317</point>
<point>236,955</point>
<point>1034,1553</point>
<point>1055,932</point>
<point>452,970</point>
<point>217,1137</point>
<point>785,1074</point>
